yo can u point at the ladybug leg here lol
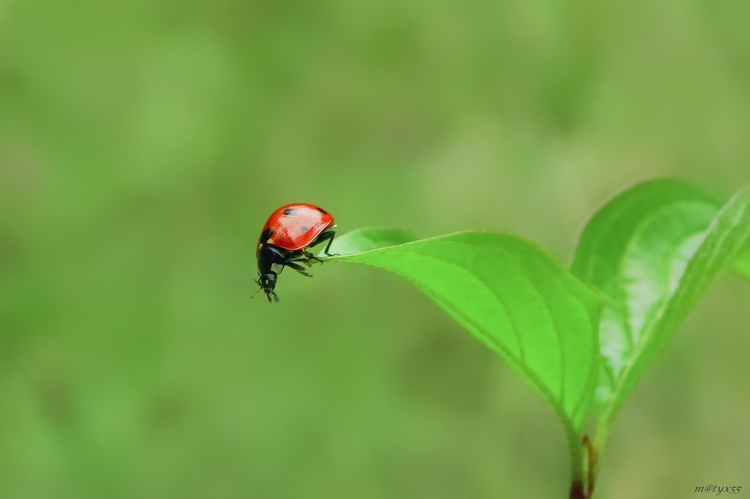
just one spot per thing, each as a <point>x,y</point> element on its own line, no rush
<point>296,266</point>
<point>329,236</point>
<point>308,257</point>
<point>326,235</point>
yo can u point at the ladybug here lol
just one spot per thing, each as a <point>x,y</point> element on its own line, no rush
<point>284,241</point>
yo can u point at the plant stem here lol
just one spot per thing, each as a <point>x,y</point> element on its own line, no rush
<point>584,467</point>
<point>577,464</point>
<point>577,492</point>
<point>592,464</point>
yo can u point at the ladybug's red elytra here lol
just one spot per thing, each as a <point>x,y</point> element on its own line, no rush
<point>284,241</point>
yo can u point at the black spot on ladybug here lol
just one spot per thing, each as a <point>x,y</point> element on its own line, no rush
<point>266,235</point>
<point>304,228</point>
<point>288,211</point>
<point>324,212</point>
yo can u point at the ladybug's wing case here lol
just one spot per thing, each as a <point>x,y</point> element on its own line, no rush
<point>296,226</point>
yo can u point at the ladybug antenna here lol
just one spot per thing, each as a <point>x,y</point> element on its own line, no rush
<point>256,291</point>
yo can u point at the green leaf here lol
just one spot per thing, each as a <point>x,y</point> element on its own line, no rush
<point>361,240</point>
<point>742,265</point>
<point>512,296</point>
<point>652,252</point>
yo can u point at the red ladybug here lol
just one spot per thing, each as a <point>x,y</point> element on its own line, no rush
<point>288,233</point>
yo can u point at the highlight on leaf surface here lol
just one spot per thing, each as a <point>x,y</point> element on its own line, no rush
<point>651,253</point>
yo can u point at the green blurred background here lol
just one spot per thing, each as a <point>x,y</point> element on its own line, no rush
<point>144,143</point>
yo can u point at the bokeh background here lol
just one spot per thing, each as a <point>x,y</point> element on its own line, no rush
<point>144,143</point>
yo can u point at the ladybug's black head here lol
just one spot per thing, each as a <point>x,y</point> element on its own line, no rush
<point>267,281</point>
